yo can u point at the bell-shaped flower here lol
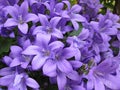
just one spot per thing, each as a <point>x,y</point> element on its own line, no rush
<point>20,17</point>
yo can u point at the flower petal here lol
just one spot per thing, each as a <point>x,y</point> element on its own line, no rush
<point>31,50</point>
<point>17,79</point>
<point>15,62</point>
<point>24,8</point>
<point>68,4</point>
<point>39,29</point>
<point>43,19</point>
<point>76,8</point>
<point>61,80</point>
<point>111,31</point>
<point>49,68</point>
<point>78,18</point>
<point>112,82</point>
<point>90,84</point>
<point>23,28</point>
<point>73,75</point>
<point>56,45</point>
<point>99,85</point>
<point>7,60</point>
<point>57,33</point>
<point>6,71</point>
<point>78,87</point>
<point>42,40</point>
<point>13,11</point>
<point>32,83</point>
<point>54,21</point>
<point>75,24</point>
<point>38,62</point>
<point>69,52</point>
<point>31,17</point>
<point>6,80</point>
<point>84,34</point>
<point>76,64</point>
<point>64,66</point>
<point>15,51</point>
<point>10,22</point>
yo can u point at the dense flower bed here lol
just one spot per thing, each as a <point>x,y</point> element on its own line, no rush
<point>46,43</point>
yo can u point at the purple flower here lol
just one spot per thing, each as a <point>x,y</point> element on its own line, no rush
<point>38,6</point>
<point>48,27</point>
<point>52,55</point>
<point>103,75</point>
<point>64,80</point>
<point>42,50</point>
<point>78,42</point>
<point>16,80</point>
<point>61,67</point>
<point>20,17</point>
<point>72,14</point>
<point>5,32</point>
<point>90,8</point>
<point>102,31</point>
<point>107,24</point>
<point>16,58</point>
<point>59,61</point>
<point>63,77</point>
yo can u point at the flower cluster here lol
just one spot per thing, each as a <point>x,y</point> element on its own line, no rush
<point>72,45</point>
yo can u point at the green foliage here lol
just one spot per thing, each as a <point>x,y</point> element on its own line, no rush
<point>107,4</point>
<point>73,2</point>
<point>76,33</point>
<point>5,44</point>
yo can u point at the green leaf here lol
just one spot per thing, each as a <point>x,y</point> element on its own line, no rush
<point>76,33</point>
<point>5,44</point>
<point>73,2</point>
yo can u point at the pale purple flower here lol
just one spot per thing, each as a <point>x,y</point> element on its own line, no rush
<point>42,50</point>
<point>5,32</point>
<point>16,58</point>
<point>48,27</point>
<point>61,67</point>
<point>102,30</point>
<point>63,77</point>
<point>16,80</point>
<point>103,75</point>
<point>90,8</point>
<point>63,80</point>
<point>72,14</point>
<point>59,61</point>
<point>107,24</point>
<point>20,17</point>
<point>78,42</point>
